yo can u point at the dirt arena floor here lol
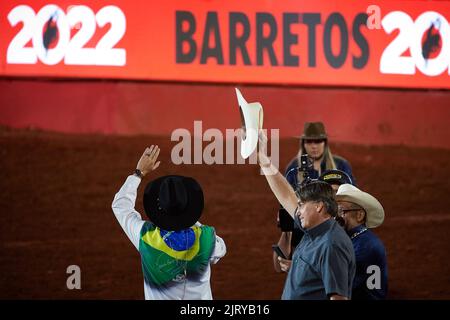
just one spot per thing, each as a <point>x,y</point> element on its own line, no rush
<point>55,199</point>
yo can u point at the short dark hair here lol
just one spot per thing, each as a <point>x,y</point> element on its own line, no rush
<point>319,191</point>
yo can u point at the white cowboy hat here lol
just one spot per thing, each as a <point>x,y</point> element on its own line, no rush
<point>374,209</point>
<point>252,121</point>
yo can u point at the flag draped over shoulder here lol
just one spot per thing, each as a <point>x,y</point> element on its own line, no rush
<point>166,255</point>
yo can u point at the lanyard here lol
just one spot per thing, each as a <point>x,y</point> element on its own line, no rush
<point>358,233</point>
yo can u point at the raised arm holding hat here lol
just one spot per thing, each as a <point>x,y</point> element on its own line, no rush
<point>326,247</point>
<point>314,143</point>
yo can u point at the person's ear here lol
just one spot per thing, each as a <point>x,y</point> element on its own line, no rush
<point>319,206</point>
<point>360,216</point>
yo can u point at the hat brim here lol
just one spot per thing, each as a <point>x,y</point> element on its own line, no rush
<point>252,116</point>
<point>337,181</point>
<point>335,176</point>
<point>185,219</point>
<point>321,137</point>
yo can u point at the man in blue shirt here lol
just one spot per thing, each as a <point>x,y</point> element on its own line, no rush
<point>291,235</point>
<point>313,143</point>
<point>361,211</point>
<point>323,264</point>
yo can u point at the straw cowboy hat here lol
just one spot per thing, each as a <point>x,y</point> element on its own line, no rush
<point>252,120</point>
<point>373,208</point>
<point>173,203</point>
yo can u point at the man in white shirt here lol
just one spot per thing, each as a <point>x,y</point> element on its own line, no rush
<point>176,250</point>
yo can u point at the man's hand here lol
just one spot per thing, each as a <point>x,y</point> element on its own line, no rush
<point>147,162</point>
<point>285,264</point>
<point>263,159</point>
<point>338,297</point>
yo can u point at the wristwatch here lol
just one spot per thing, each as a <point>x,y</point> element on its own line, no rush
<point>138,173</point>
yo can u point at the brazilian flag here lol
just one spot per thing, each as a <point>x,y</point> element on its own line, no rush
<point>166,255</point>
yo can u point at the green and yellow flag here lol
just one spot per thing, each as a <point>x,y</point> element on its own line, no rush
<point>166,255</point>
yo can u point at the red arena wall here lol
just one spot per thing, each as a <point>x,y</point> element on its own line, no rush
<point>362,116</point>
<point>373,73</point>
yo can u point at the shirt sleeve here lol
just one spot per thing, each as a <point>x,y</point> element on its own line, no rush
<point>123,207</point>
<point>291,174</point>
<point>219,250</point>
<point>335,271</point>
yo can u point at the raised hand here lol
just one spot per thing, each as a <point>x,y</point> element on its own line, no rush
<point>148,161</point>
<point>263,159</point>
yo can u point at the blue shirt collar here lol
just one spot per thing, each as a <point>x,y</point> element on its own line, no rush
<point>319,229</point>
<point>356,229</point>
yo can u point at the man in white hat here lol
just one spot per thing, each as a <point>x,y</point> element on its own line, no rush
<point>360,212</point>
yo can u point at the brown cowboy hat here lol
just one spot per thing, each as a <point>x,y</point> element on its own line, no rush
<point>313,131</point>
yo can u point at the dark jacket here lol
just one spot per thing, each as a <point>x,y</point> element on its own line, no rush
<point>369,253</point>
<point>341,164</point>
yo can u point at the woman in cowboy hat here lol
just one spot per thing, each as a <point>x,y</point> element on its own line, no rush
<point>314,142</point>
<point>361,212</point>
<point>176,250</point>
